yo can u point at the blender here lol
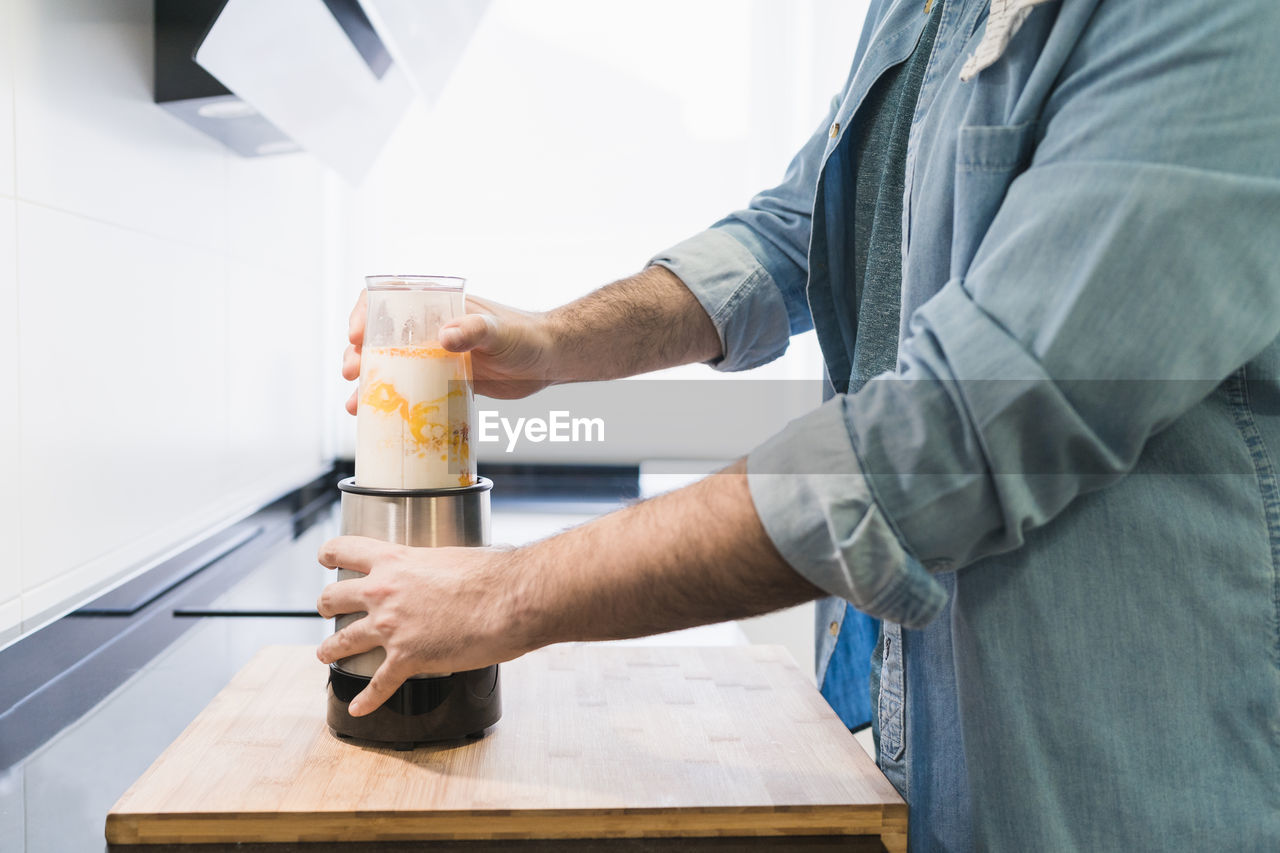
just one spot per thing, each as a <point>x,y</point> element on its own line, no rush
<point>415,484</point>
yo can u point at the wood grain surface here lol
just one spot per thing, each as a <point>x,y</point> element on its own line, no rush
<point>596,741</point>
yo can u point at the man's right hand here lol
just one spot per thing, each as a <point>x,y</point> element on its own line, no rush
<point>647,322</point>
<point>511,350</point>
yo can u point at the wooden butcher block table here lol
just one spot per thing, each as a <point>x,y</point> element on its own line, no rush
<point>599,747</point>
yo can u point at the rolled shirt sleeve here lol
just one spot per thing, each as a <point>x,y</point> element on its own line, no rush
<point>743,301</point>
<point>827,525</point>
<point>750,269</point>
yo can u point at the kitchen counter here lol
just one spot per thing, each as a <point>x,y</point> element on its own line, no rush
<point>597,742</point>
<point>55,800</point>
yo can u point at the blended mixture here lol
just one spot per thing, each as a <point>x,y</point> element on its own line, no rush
<point>413,422</point>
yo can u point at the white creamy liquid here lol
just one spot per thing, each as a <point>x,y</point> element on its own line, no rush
<point>413,421</point>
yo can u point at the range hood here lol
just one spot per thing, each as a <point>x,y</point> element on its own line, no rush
<point>333,77</point>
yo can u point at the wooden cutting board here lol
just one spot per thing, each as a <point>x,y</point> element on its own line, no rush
<point>596,741</point>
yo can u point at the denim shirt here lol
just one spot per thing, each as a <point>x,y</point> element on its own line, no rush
<point>1064,500</point>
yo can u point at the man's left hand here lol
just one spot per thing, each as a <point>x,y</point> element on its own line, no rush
<point>432,609</point>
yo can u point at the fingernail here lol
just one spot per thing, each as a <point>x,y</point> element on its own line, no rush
<point>450,337</point>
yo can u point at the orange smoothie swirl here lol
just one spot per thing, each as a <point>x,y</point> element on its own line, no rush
<point>414,418</point>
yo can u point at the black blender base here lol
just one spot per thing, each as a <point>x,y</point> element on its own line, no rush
<point>422,711</point>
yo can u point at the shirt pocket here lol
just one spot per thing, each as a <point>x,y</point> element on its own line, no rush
<point>988,158</point>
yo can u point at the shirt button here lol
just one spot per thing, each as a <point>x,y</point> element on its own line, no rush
<point>834,629</point>
<point>835,130</point>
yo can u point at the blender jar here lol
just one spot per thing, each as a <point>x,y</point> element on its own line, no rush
<point>415,406</point>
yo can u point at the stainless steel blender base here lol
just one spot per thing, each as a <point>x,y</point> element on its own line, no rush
<point>422,711</point>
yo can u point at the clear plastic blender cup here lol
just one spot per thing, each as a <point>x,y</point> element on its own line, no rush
<point>415,407</point>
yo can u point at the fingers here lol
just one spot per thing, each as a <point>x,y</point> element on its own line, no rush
<point>341,597</point>
<point>385,681</point>
<point>351,358</point>
<point>351,363</point>
<point>473,332</point>
<point>356,553</point>
<point>355,325</point>
<point>352,640</point>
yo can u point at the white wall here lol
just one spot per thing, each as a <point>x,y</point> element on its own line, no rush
<point>161,312</point>
<point>578,138</point>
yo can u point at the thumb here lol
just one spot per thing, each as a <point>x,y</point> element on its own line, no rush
<point>481,332</point>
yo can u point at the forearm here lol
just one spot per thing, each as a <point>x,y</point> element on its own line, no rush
<point>647,322</point>
<point>691,557</point>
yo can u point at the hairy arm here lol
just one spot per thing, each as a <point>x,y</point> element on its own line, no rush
<point>647,322</point>
<point>691,557</point>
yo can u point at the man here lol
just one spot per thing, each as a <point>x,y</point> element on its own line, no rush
<point>1053,235</point>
